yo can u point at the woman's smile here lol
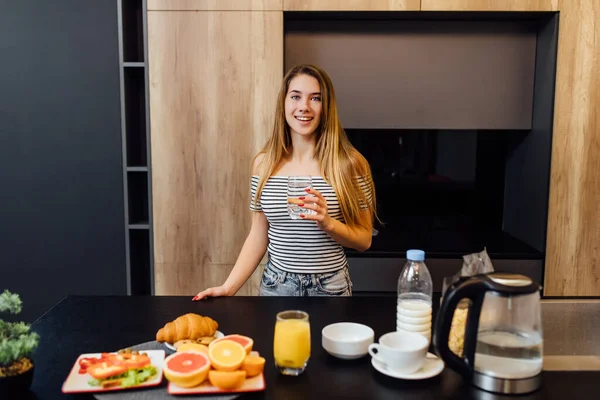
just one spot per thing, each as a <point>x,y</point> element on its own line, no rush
<point>304,120</point>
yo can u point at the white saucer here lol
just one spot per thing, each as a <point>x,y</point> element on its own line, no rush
<point>433,366</point>
<point>218,335</point>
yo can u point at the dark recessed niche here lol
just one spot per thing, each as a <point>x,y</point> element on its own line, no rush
<point>454,113</point>
<point>133,30</point>
<point>139,259</point>
<point>135,116</point>
<point>137,193</point>
<point>444,190</point>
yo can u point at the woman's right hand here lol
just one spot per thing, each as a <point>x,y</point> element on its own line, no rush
<point>216,291</point>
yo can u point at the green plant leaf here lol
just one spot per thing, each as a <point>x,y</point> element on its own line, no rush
<point>10,302</point>
<point>16,341</point>
<point>17,348</point>
<point>12,330</point>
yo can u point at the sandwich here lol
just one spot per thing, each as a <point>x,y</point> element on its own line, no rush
<point>124,369</point>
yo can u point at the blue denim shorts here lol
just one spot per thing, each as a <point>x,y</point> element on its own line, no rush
<point>276,282</point>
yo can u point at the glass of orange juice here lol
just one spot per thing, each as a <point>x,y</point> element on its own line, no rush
<point>291,345</point>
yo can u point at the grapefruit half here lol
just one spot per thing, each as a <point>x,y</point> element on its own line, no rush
<point>186,368</point>
<point>245,341</point>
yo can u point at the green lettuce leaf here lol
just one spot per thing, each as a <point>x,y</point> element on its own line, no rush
<point>130,378</point>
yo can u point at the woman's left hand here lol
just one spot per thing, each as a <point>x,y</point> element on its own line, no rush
<point>317,203</point>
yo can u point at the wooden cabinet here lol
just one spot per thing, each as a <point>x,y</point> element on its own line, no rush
<point>489,5</point>
<point>214,79</point>
<point>351,5</point>
<point>215,5</point>
<point>573,247</point>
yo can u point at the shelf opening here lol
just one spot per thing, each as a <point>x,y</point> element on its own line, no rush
<point>133,30</point>
<point>135,117</point>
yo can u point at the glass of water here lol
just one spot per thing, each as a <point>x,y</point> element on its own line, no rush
<point>296,188</point>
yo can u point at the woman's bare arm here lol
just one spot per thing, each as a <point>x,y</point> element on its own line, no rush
<point>252,252</point>
<point>358,238</point>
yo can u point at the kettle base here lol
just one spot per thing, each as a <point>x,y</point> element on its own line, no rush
<point>507,386</point>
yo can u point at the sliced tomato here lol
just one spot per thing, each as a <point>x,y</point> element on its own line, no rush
<point>86,362</point>
<point>130,360</point>
<point>105,370</point>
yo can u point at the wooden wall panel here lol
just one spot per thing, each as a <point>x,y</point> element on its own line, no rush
<point>215,5</point>
<point>214,78</point>
<point>181,274</point>
<point>489,5</point>
<point>573,246</point>
<point>351,5</point>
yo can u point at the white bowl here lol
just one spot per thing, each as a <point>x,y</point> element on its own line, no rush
<point>347,340</point>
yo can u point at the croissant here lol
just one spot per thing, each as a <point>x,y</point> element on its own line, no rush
<point>189,326</point>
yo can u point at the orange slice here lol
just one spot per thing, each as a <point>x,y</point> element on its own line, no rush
<point>186,368</point>
<point>193,347</point>
<point>227,379</point>
<point>245,341</point>
<point>226,355</point>
<point>253,365</point>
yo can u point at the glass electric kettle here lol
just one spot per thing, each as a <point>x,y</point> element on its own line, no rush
<point>503,342</point>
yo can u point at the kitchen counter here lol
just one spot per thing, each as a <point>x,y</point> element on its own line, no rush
<point>92,324</point>
<point>571,332</point>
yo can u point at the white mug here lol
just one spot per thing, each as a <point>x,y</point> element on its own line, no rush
<point>401,351</point>
<point>425,334</point>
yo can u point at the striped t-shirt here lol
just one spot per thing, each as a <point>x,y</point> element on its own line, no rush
<point>299,246</point>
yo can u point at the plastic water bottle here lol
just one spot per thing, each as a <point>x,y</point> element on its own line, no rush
<point>415,289</point>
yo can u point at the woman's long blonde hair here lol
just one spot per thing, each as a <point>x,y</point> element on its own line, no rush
<point>340,163</point>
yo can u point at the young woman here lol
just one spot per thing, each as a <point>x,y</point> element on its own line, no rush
<point>306,255</point>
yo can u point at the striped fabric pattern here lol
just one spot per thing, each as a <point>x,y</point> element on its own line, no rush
<point>299,246</point>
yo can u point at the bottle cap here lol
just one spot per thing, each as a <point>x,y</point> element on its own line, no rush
<point>415,255</point>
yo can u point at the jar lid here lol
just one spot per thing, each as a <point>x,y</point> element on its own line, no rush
<point>508,284</point>
<point>415,255</point>
<point>508,279</point>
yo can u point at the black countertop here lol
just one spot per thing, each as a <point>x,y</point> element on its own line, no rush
<point>93,324</point>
